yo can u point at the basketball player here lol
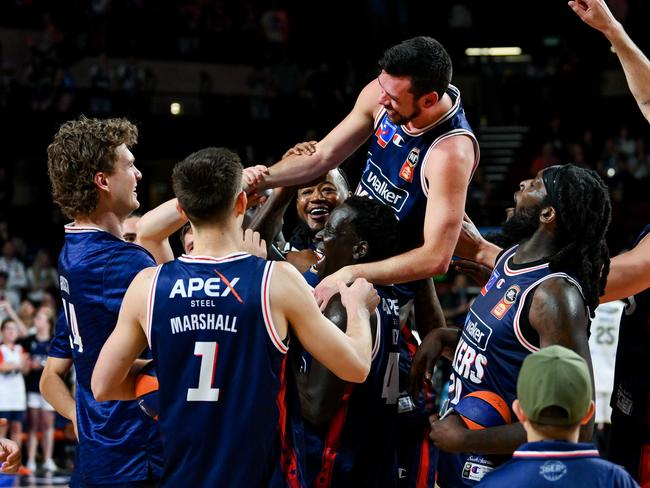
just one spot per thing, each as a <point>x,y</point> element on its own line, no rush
<point>217,323</point>
<point>129,228</point>
<point>629,277</point>
<point>554,398</point>
<point>541,292</point>
<point>94,181</point>
<point>421,156</point>
<point>350,430</point>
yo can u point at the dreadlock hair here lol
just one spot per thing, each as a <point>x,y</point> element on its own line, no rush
<point>375,223</point>
<point>583,211</point>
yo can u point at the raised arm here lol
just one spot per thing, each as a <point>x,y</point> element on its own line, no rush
<point>347,355</point>
<point>558,314</point>
<point>629,272</point>
<point>448,170</point>
<point>114,374</point>
<point>155,227</point>
<point>635,64</point>
<point>320,390</point>
<point>331,151</point>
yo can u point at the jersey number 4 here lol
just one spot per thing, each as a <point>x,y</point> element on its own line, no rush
<point>71,317</point>
<point>205,392</point>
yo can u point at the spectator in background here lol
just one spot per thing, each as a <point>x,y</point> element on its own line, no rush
<point>639,163</point>
<point>129,231</point>
<point>16,275</point>
<point>41,276</point>
<point>7,294</point>
<point>41,413</point>
<point>26,313</point>
<point>12,384</point>
<point>544,159</point>
<point>8,312</point>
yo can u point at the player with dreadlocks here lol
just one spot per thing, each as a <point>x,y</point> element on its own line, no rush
<point>542,291</point>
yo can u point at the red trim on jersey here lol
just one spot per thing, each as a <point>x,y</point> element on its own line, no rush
<point>644,467</point>
<point>152,294</point>
<point>409,339</point>
<point>232,288</point>
<point>266,310</point>
<point>333,441</point>
<point>555,454</point>
<point>288,458</point>
<point>72,228</point>
<point>424,464</point>
<point>211,259</point>
<point>2,359</point>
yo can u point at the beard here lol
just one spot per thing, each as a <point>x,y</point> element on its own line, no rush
<point>400,119</point>
<point>520,227</point>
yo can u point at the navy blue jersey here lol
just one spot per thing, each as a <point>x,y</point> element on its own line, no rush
<point>357,447</point>
<point>394,171</point>
<point>492,348</point>
<point>558,463</point>
<point>38,351</point>
<point>631,391</point>
<point>221,370</point>
<point>118,443</point>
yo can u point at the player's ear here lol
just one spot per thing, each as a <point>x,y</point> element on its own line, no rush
<point>430,99</point>
<point>547,215</point>
<point>101,181</point>
<point>241,200</point>
<point>180,210</point>
<point>359,250</point>
<point>519,412</point>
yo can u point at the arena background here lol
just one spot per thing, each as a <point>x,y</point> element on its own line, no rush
<point>259,76</point>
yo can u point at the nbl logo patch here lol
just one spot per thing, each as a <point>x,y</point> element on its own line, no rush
<point>408,168</point>
<point>509,297</point>
<point>385,132</point>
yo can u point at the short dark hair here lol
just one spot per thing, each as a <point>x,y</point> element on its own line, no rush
<point>424,60</point>
<point>376,224</point>
<point>206,183</point>
<point>6,321</point>
<point>80,149</point>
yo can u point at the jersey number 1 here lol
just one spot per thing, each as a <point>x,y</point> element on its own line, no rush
<point>205,392</point>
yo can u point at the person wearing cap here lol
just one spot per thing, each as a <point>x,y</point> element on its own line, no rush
<point>542,292</point>
<point>554,398</point>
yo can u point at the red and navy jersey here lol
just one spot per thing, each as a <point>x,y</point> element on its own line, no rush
<point>493,346</point>
<point>221,370</point>
<point>118,443</point>
<point>358,445</point>
<point>558,463</point>
<point>631,393</point>
<point>394,171</point>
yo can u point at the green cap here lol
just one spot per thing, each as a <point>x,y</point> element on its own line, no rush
<point>554,377</point>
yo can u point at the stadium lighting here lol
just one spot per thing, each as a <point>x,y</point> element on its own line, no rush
<point>493,51</point>
<point>175,108</point>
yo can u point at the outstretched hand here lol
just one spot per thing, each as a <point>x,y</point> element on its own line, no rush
<point>253,176</point>
<point>360,293</point>
<point>594,13</point>
<point>252,243</point>
<point>329,286</point>
<point>469,240</point>
<point>10,457</point>
<point>476,272</point>
<point>302,148</point>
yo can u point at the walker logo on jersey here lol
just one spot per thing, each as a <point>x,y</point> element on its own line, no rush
<point>381,188</point>
<point>490,283</point>
<point>509,297</point>
<point>212,287</point>
<point>552,470</point>
<point>385,132</point>
<point>475,470</point>
<point>477,331</point>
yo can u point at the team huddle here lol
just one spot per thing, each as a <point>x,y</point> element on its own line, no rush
<point>308,362</point>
